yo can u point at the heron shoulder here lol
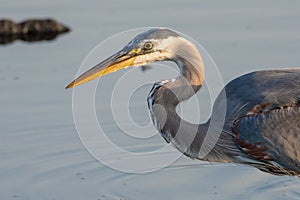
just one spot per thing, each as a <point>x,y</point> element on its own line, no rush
<point>275,88</point>
<point>279,86</point>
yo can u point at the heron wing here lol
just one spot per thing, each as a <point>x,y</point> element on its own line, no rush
<point>263,113</point>
<point>271,136</point>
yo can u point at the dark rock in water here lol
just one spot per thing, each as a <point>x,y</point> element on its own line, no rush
<point>30,30</point>
<point>37,26</point>
<point>8,27</point>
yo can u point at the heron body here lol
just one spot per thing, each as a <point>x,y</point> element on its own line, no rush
<point>261,125</point>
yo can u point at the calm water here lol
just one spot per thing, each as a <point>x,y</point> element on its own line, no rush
<point>42,155</point>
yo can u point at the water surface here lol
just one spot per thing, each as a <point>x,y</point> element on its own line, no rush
<point>42,155</point>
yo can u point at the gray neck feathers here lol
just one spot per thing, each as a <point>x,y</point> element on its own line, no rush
<point>165,96</point>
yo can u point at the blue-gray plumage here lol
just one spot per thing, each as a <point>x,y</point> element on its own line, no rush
<point>261,125</point>
<point>267,128</point>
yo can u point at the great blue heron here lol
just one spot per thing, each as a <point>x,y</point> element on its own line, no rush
<point>262,118</point>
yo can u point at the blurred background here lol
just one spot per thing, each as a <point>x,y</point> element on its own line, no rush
<point>41,154</point>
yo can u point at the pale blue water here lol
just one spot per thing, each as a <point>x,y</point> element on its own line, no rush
<point>42,156</point>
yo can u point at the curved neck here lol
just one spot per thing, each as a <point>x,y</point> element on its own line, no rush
<point>192,71</point>
<point>191,67</point>
<point>166,95</point>
<point>162,102</point>
<point>188,59</point>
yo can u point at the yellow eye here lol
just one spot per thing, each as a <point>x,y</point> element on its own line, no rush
<point>148,45</point>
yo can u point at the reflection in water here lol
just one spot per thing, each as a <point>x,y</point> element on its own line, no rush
<point>30,30</point>
<point>28,38</point>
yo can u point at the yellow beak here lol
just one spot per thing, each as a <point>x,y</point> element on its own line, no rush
<point>119,60</point>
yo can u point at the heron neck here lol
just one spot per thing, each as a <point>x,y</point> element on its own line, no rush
<point>162,102</point>
<point>190,79</point>
<point>163,99</point>
<point>192,71</point>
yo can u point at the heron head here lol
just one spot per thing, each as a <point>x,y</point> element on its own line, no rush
<point>147,47</point>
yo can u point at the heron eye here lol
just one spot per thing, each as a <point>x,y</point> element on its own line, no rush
<point>148,45</point>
